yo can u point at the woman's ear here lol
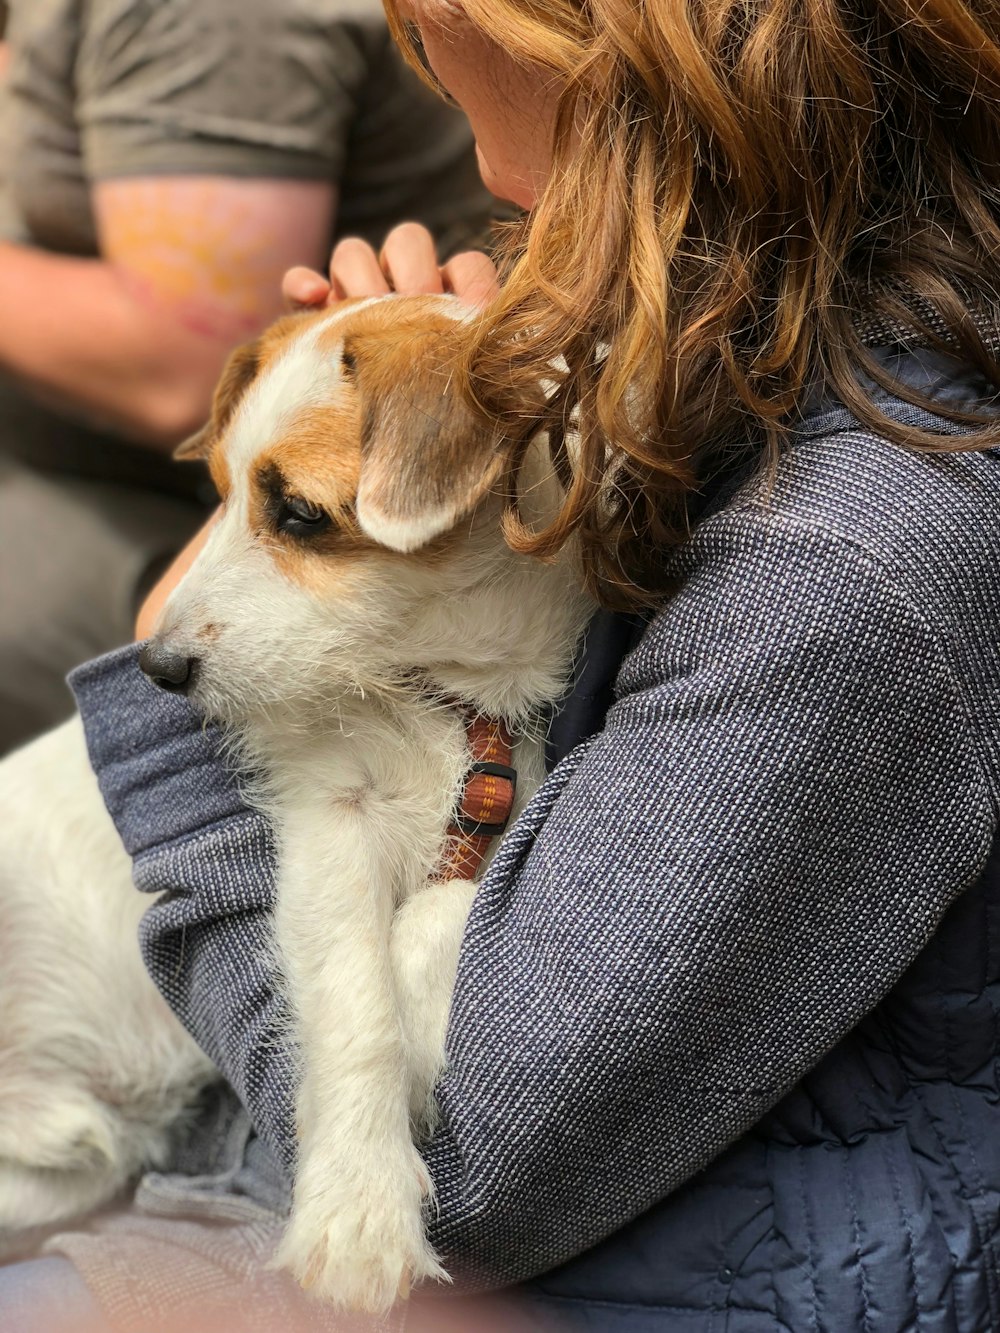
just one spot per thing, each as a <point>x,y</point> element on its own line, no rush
<point>426,458</point>
<point>240,370</point>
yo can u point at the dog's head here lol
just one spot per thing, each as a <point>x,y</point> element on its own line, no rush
<point>359,535</point>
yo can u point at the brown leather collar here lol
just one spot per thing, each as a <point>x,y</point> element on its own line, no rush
<point>487,797</point>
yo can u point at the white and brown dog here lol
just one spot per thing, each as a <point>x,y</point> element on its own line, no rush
<point>356,588</point>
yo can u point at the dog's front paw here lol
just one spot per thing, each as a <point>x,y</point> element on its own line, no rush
<point>359,1244</point>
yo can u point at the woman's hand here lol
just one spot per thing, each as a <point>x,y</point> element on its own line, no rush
<point>407,264</point>
<point>149,612</point>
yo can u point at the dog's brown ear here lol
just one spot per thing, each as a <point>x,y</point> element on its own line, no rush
<point>426,458</point>
<point>240,369</point>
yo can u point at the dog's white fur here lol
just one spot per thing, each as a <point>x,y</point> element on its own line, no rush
<point>330,672</point>
<point>94,1070</point>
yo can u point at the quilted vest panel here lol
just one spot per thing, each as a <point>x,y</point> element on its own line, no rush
<point>867,1201</point>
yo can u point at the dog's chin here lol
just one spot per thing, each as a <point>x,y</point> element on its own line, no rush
<point>293,686</point>
<point>214,710</point>
<point>230,701</point>
<point>241,704</point>
<point>236,712</point>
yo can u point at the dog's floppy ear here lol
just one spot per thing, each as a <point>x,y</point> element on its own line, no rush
<point>426,459</point>
<point>240,369</point>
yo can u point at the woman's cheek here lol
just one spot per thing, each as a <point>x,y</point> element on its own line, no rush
<point>503,184</point>
<point>509,107</point>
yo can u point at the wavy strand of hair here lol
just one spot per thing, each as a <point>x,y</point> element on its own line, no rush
<point>741,189</point>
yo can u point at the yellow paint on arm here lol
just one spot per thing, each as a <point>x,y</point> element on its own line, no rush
<point>209,252</point>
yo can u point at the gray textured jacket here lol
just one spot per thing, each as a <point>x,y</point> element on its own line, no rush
<point>797,780</point>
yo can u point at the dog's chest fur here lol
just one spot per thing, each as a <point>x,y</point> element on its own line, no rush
<point>383,773</point>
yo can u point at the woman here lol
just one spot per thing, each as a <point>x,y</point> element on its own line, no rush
<point>723,1048</point>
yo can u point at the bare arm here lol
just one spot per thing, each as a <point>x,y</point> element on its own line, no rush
<point>189,266</point>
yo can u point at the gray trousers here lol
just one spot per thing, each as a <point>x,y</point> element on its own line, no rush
<point>76,556</point>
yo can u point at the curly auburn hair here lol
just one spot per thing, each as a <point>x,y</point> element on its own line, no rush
<point>737,186</point>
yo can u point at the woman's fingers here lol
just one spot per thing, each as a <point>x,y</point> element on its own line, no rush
<point>472,276</point>
<point>409,260</point>
<point>406,264</point>
<point>355,271</point>
<point>304,289</point>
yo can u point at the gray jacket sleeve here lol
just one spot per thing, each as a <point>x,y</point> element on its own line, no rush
<point>697,904</point>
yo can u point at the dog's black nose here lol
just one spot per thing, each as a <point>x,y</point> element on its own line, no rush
<point>171,671</point>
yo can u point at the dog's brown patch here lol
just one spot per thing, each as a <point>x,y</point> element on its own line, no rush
<point>427,458</point>
<point>243,367</point>
<point>316,460</point>
<point>320,455</point>
<point>219,471</point>
<point>395,437</point>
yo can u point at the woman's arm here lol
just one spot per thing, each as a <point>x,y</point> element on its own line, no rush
<point>189,266</point>
<point>695,907</point>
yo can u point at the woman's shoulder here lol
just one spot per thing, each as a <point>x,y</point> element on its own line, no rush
<point>929,520</point>
<point>851,541</point>
<point>909,512</point>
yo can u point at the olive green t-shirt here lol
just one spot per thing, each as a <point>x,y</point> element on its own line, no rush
<point>301,89</point>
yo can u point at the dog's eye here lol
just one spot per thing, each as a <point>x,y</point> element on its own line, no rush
<point>301,517</point>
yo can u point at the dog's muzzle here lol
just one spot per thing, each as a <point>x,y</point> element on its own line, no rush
<point>171,671</point>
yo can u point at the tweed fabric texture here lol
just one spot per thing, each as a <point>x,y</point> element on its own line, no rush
<point>797,780</point>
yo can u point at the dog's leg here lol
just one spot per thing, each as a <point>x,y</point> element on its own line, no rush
<point>426,939</point>
<point>355,1237</point>
<point>94,1068</point>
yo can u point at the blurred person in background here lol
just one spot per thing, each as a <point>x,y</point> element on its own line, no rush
<point>161,166</point>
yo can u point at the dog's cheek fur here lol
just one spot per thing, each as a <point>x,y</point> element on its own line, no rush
<point>260,637</point>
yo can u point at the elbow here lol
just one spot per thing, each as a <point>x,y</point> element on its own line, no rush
<point>479,1255</point>
<point>485,1242</point>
